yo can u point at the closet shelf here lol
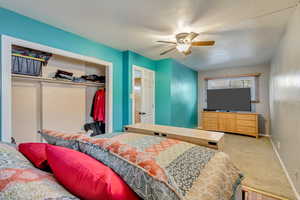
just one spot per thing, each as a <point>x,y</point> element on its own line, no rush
<point>51,80</point>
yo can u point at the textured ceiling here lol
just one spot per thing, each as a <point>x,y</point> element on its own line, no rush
<point>241,37</point>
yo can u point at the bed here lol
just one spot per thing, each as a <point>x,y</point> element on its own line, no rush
<point>158,168</point>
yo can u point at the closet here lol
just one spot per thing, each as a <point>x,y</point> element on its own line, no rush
<point>40,101</point>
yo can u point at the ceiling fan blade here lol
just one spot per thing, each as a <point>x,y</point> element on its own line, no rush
<point>192,36</point>
<point>203,43</point>
<point>167,51</point>
<point>187,52</point>
<point>167,42</point>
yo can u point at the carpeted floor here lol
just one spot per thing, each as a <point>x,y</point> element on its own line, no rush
<point>257,160</point>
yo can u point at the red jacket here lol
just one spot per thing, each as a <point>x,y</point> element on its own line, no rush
<point>99,106</point>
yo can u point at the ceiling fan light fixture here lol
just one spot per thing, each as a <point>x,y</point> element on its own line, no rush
<point>184,43</point>
<point>183,47</point>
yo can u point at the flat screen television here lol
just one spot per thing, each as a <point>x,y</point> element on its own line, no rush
<point>237,99</point>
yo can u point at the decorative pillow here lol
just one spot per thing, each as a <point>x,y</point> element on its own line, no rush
<point>86,177</point>
<point>19,179</point>
<point>36,153</point>
<point>69,140</point>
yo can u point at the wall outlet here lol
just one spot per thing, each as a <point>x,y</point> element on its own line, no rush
<point>278,145</point>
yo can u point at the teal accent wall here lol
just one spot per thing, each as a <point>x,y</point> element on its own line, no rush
<point>0,88</point>
<point>129,59</point>
<point>15,25</point>
<point>126,65</point>
<point>176,88</point>
<point>163,92</point>
<point>176,94</point>
<point>184,96</point>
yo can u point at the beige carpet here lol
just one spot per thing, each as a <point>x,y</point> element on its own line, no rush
<point>257,160</point>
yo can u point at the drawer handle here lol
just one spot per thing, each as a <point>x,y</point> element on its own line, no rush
<point>212,143</point>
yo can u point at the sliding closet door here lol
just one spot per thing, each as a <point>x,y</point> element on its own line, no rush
<point>25,111</point>
<point>64,107</point>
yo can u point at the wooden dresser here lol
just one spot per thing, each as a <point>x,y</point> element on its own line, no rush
<point>232,122</point>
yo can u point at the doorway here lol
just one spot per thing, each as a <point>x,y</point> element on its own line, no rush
<point>143,101</point>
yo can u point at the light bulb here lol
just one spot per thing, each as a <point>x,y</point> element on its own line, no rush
<point>183,47</point>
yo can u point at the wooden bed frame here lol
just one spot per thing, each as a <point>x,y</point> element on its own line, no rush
<point>260,195</point>
<point>209,139</point>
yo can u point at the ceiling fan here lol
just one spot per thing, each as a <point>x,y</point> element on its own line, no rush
<point>184,43</point>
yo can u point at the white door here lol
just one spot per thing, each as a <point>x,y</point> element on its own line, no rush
<point>143,95</point>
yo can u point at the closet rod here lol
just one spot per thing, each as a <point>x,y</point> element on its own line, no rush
<point>51,80</point>
<point>30,57</point>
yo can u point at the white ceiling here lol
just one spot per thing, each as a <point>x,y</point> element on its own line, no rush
<point>136,25</point>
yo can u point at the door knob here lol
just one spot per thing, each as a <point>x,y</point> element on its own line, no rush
<point>142,113</point>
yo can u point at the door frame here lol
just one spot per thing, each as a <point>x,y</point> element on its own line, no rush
<point>6,83</point>
<point>135,67</point>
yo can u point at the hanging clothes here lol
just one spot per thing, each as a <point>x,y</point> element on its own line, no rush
<point>98,107</point>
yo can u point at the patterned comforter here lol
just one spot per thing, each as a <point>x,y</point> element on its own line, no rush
<point>19,179</point>
<point>159,168</point>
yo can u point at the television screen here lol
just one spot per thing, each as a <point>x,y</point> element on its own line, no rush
<point>237,99</point>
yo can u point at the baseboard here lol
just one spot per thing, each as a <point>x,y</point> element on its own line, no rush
<point>285,170</point>
<point>264,135</point>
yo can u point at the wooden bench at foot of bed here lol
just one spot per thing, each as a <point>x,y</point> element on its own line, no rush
<point>209,139</point>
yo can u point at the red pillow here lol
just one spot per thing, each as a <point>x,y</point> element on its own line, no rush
<point>86,177</point>
<point>36,153</point>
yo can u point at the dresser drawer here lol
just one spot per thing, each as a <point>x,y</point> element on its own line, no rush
<point>210,127</point>
<point>250,123</point>
<point>245,117</point>
<point>211,121</point>
<point>210,124</point>
<point>210,115</point>
<point>222,125</point>
<point>226,115</point>
<point>246,130</point>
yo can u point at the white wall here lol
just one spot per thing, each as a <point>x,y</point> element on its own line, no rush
<point>285,98</point>
<point>262,107</point>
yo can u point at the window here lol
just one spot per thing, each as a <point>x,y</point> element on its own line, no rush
<point>236,82</point>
